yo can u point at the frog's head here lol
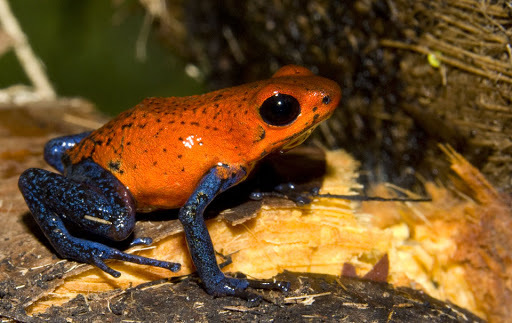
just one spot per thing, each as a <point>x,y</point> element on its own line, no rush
<point>292,103</point>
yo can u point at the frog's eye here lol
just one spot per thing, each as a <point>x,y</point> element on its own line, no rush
<point>280,110</point>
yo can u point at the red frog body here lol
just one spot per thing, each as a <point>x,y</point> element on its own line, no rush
<point>161,148</point>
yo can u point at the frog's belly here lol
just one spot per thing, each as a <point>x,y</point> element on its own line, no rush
<point>162,188</point>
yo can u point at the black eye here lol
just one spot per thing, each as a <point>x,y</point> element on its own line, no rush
<point>326,99</point>
<point>280,110</point>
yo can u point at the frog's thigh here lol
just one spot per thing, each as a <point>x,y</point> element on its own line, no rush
<point>95,203</point>
<point>94,206</point>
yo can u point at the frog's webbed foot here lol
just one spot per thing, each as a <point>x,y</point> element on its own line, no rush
<point>237,287</point>
<point>287,191</point>
<point>95,253</point>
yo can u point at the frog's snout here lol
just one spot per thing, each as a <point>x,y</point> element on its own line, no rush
<point>331,94</point>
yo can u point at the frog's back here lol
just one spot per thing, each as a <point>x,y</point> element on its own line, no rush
<point>161,148</point>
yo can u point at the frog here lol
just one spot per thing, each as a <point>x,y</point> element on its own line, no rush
<point>171,153</point>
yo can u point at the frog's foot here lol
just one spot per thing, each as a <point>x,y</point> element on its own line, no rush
<point>286,191</point>
<point>95,253</point>
<point>237,287</point>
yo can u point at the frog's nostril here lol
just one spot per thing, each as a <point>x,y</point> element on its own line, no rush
<point>326,99</point>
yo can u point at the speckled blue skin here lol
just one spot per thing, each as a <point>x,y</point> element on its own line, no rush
<point>55,148</point>
<point>96,201</point>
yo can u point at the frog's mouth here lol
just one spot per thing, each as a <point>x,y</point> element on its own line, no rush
<point>298,140</point>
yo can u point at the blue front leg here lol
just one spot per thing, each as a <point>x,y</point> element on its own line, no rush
<point>217,180</point>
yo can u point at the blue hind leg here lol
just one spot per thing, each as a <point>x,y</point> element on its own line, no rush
<point>94,200</point>
<point>56,147</point>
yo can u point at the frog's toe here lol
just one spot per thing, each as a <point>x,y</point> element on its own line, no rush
<point>279,285</point>
<point>101,265</point>
<point>172,266</point>
<point>227,286</point>
<point>92,253</point>
<point>291,192</point>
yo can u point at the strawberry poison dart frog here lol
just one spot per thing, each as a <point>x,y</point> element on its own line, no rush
<point>166,153</point>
